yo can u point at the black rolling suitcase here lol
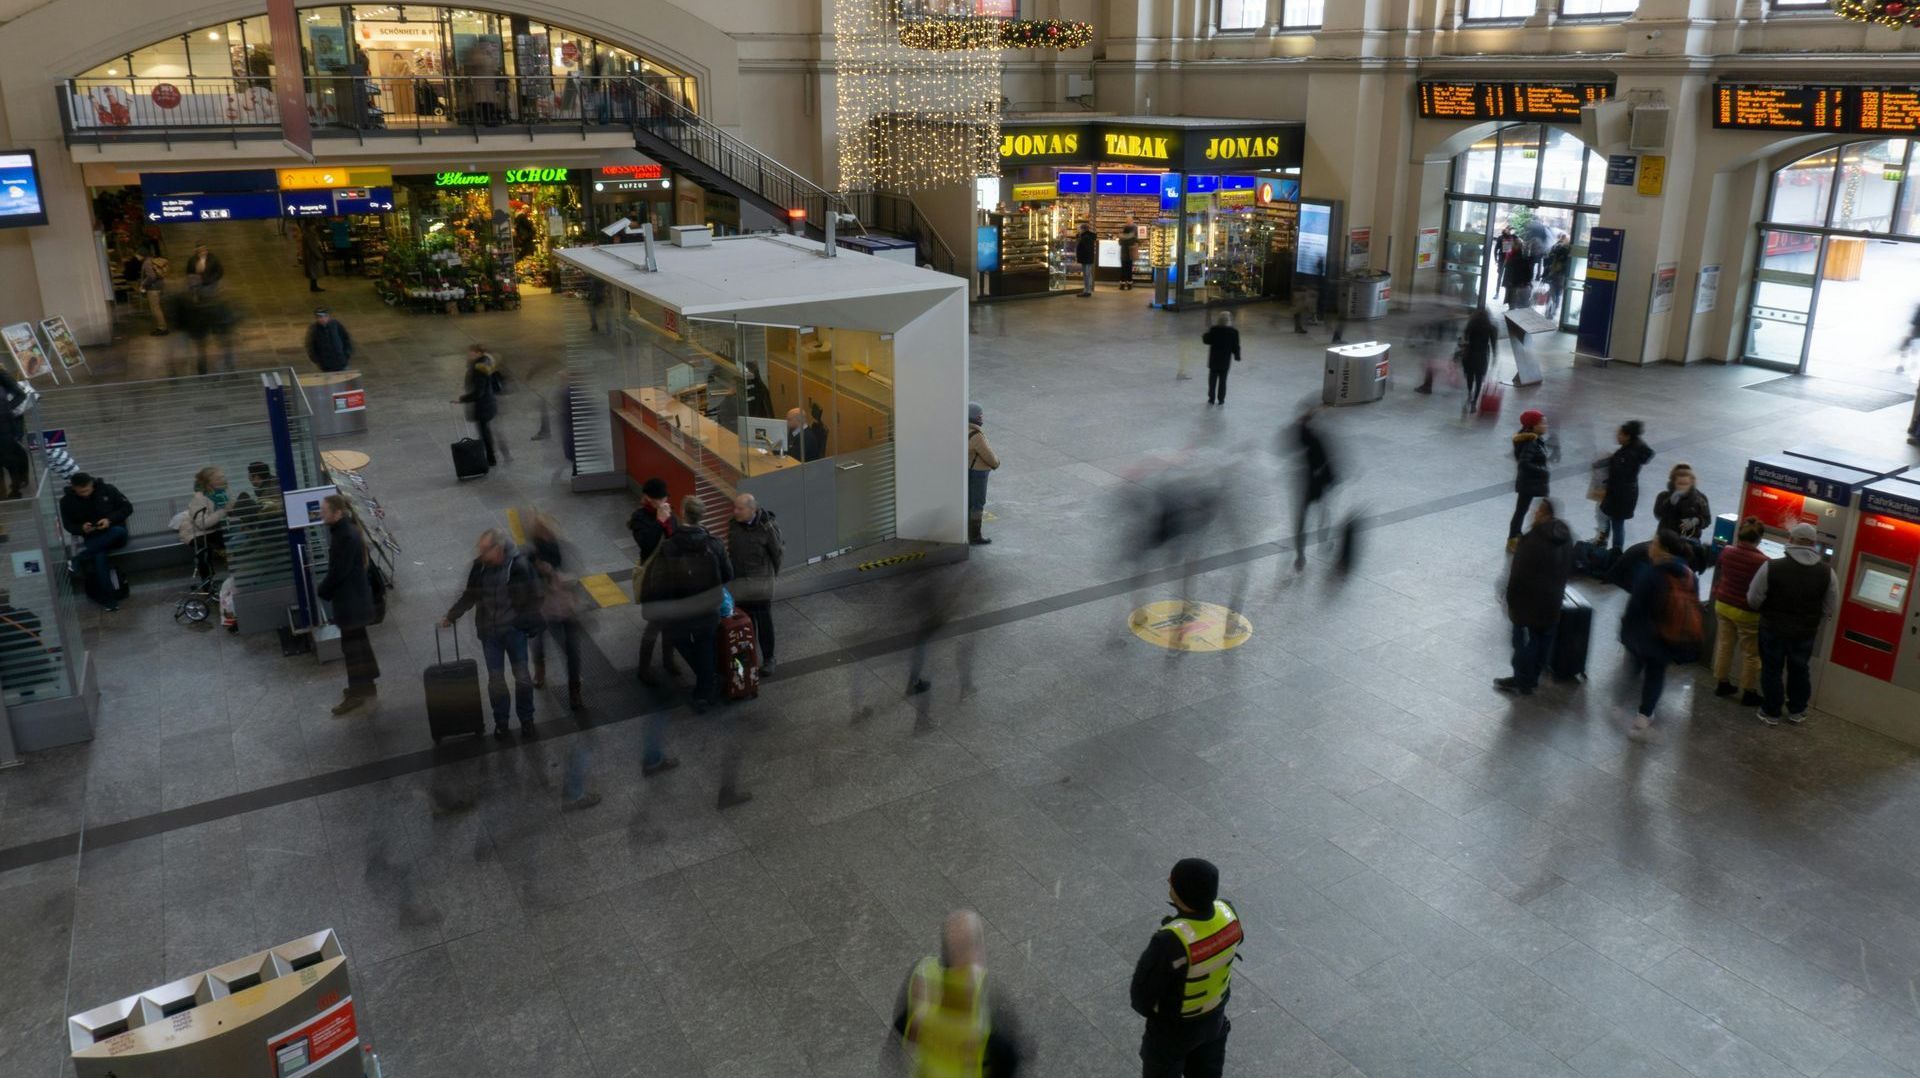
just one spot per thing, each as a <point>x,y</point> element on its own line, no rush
<point>453,693</point>
<point>1570,640</point>
<point>469,459</point>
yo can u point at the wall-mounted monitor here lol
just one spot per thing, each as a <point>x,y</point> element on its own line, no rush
<point>21,200</point>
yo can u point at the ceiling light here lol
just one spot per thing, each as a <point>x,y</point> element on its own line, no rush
<point>213,35</point>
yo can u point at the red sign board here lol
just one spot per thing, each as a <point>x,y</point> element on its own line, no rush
<point>632,172</point>
<point>570,52</point>
<point>312,1044</point>
<point>350,400</point>
<point>166,95</point>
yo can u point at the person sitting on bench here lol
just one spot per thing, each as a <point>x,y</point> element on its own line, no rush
<point>95,511</point>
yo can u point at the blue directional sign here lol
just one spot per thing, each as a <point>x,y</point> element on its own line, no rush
<point>333,202</point>
<point>307,203</point>
<point>247,206</point>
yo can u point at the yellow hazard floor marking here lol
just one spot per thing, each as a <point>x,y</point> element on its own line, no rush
<point>603,590</point>
<point>987,515</point>
<point>1183,626</point>
<point>513,525</point>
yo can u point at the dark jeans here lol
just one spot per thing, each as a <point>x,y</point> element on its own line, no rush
<point>1653,681</point>
<point>485,427</point>
<point>363,668</point>
<point>1473,387</point>
<point>1217,385</point>
<point>1617,533</point>
<point>567,633</point>
<point>696,642</point>
<point>977,490</point>
<point>1195,1050</point>
<point>1779,656</point>
<point>1532,652</point>
<point>93,560</point>
<point>762,615</point>
<point>502,647</point>
<point>1521,503</point>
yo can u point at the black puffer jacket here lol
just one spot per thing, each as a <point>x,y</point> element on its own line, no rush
<point>1623,479</point>
<point>1532,454</point>
<point>756,549</point>
<point>347,586</point>
<point>1688,513</point>
<point>1541,565</point>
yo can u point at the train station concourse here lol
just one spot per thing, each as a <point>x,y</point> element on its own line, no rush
<point>618,538</point>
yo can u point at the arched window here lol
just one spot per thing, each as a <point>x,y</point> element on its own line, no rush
<point>1838,274</point>
<point>1538,181</point>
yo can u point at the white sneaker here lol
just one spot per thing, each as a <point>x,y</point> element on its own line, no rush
<point>1798,720</point>
<point>1770,720</point>
<point>1641,724</point>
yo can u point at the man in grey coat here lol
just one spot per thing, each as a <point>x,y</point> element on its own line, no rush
<point>503,591</point>
<point>756,547</point>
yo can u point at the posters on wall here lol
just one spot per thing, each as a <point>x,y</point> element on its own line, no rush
<point>1621,168</point>
<point>1428,251</point>
<point>28,357</point>
<point>60,338</point>
<point>1664,276</point>
<point>1359,249</point>
<point>1707,296</point>
<point>1653,175</point>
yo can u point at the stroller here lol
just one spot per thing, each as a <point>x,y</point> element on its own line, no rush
<point>197,605</point>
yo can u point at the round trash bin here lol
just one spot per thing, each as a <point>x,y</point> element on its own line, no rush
<point>1366,295</point>
<point>337,400</point>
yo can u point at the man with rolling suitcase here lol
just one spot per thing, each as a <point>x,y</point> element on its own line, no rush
<point>755,545</point>
<point>1536,585</point>
<point>680,591</point>
<point>503,591</point>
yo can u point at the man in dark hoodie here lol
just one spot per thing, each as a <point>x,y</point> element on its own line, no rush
<point>503,591</point>
<point>755,545</point>
<point>96,512</point>
<point>681,592</point>
<point>648,525</point>
<point>1536,583</point>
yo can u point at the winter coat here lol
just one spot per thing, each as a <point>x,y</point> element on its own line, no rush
<point>346,585</point>
<point>756,549</point>
<point>1223,347</point>
<point>1086,248</point>
<point>1318,462</point>
<point>1532,454</point>
<point>329,346</point>
<point>481,396</point>
<point>647,530</point>
<point>211,273</point>
<point>1477,345</point>
<point>1623,479</point>
<point>502,597</point>
<point>106,502</point>
<point>1689,513</point>
<point>556,602</point>
<point>1538,579</point>
<point>1518,271</point>
<point>980,455</point>
<point>661,606</point>
<point>1647,605</point>
<point>201,517</point>
<point>1734,573</point>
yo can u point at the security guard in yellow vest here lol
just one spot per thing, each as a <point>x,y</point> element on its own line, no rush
<point>1183,978</point>
<point>943,1018</point>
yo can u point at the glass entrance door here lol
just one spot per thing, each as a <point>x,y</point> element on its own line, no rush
<point>1783,298</point>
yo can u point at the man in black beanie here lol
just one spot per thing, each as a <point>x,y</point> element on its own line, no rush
<point>1183,978</point>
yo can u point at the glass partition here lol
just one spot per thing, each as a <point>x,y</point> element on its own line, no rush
<point>40,643</point>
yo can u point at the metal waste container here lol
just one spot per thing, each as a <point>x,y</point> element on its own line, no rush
<point>337,401</point>
<point>1367,295</point>
<point>1356,373</point>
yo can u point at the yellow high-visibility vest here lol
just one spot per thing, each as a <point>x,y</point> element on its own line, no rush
<point>1211,945</point>
<point>947,1022</point>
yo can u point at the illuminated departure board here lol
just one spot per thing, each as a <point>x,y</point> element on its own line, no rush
<point>1547,102</point>
<point>1859,110</point>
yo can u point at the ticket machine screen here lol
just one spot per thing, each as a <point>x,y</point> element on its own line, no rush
<point>1881,584</point>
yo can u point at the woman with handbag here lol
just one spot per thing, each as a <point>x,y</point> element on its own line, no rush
<point>349,588</point>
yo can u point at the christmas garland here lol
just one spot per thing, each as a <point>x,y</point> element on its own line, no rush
<point>1892,13</point>
<point>950,34</point>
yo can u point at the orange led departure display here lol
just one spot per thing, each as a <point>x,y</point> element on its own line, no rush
<point>1546,102</point>
<point>1853,110</point>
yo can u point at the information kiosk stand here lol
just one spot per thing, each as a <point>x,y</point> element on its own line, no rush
<point>1873,670</point>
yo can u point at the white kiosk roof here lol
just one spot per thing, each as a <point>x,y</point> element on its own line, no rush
<point>771,279</point>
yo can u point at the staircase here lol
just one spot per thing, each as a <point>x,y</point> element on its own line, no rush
<point>675,135</point>
<point>898,215</point>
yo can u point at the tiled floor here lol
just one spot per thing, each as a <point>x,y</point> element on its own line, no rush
<point>1436,880</point>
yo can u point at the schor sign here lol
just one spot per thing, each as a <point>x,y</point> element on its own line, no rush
<point>514,175</point>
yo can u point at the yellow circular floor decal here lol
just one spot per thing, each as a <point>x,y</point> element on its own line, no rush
<point>1181,626</point>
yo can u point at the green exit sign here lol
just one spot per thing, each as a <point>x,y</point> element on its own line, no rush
<point>1893,175</point>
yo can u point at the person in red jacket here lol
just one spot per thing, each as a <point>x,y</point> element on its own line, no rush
<point>1737,624</point>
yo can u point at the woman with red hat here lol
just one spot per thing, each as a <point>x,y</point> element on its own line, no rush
<point>1533,452</point>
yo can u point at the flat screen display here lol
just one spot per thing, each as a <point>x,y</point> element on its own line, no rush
<point>21,201</point>
<point>1548,102</point>
<point>1856,110</point>
<point>1316,233</point>
<point>1881,587</point>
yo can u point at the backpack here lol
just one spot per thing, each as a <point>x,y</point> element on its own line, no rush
<point>677,571</point>
<point>1682,627</point>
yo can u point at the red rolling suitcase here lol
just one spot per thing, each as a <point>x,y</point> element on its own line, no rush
<point>739,657</point>
<point>453,693</point>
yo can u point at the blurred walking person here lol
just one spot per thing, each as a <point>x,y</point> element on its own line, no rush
<point>1533,454</point>
<point>982,462</point>
<point>1622,497</point>
<point>1662,624</point>
<point>557,609</point>
<point>1536,589</point>
<point>681,591</point>
<point>755,545</point>
<point>648,525</point>
<point>348,590</point>
<point>482,398</point>
<point>1479,344</point>
<point>153,284</point>
<point>1736,641</point>
<point>1223,351</point>
<point>1795,594</point>
<point>1184,977</point>
<point>944,1017</point>
<point>503,591</point>
<point>1317,477</point>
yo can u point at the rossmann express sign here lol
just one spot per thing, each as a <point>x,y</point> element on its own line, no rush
<point>1191,149</point>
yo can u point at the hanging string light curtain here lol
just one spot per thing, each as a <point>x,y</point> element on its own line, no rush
<point>1890,13</point>
<point>909,118</point>
<point>971,32</point>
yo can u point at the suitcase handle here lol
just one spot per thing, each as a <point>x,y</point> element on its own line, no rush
<point>438,657</point>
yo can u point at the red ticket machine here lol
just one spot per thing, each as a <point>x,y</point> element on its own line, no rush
<point>1783,491</point>
<point>1873,666</point>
